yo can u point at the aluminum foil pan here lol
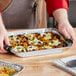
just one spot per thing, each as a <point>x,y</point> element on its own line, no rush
<point>15,66</point>
<point>40,52</point>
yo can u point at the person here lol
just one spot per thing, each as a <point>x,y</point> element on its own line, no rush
<point>55,8</point>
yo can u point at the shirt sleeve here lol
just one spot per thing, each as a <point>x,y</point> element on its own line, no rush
<point>53,5</point>
<point>0,10</point>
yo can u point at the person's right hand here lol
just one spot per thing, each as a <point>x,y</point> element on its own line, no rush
<point>3,39</point>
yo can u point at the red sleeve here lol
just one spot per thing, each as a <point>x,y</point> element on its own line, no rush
<point>53,5</point>
<point>0,10</point>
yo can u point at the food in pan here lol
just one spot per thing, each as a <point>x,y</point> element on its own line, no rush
<point>36,41</point>
<point>6,71</point>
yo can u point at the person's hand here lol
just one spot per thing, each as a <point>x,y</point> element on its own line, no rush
<point>3,39</point>
<point>64,26</point>
<point>67,30</point>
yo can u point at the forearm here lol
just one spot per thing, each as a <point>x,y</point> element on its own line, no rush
<point>3,36</point>
<point>1,22</point>
<point>61,15</point>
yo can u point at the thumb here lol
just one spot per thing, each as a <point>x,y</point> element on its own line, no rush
<point>6,40</point>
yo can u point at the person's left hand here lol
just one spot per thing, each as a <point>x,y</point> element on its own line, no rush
<point>67,30</point>
<point>64,25</point>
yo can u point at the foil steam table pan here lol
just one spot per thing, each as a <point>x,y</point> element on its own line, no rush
<point>17,67</point>
<point>39,52</point>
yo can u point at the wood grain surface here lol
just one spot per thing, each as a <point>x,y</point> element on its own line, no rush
<point>41,65</point>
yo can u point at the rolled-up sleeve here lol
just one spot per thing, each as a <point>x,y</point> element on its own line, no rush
<point>53,5</point>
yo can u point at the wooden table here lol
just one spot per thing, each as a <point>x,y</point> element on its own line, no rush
<point>41,65</point>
